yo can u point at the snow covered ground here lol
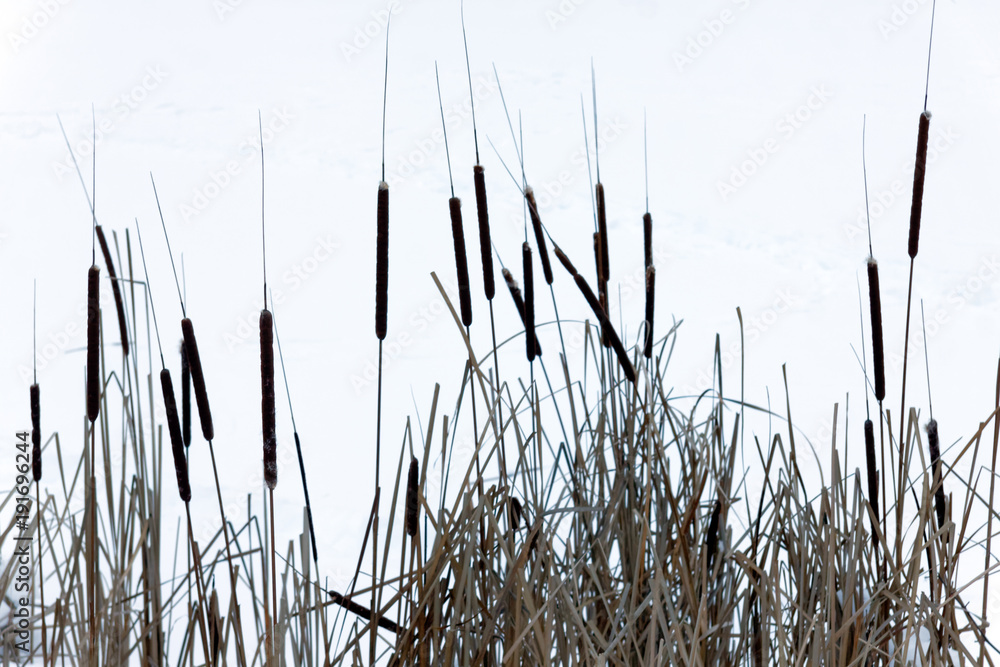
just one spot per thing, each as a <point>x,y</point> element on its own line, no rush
<point>754,122</point>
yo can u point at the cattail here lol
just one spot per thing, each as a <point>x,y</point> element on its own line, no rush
<point>515,293</point>
<point>935,450</point>
<point>536,224</point>
<point>185,397</point>
<point>36,434</point>
<point>564,260</point>
<point>176,443</point>
<point>515,513</point>
<point>412,497</point>
<point>647,236</point>
<point>607,329</point>
<point>872,466</point>
<point>602,286</point>
<point>267,398</point>
<point>197,379</point>
<point>876,316</point>
<point>485,247</point>
<point>712,539</point>
<point>362,611</point>
<point>650,284</point>
<point>602,228</point>
<point>919,169</point>
<point>464,293</point>
<point>382,262</point>
<point>93,341</point>
<point>115,289</point>
<point>529,301</point>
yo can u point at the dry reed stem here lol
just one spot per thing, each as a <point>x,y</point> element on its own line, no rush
<point>93,344</point>
<point>115,289</point>
<point>267,409</point>
<point>485,246</point>
<point>382,262</point>
<point>461,262</point>
<point>198,379</point>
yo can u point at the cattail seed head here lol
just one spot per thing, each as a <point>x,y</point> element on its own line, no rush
<point>185,397</point>
<point>875,300</point>
<point>536,225</point>
<point>650,291</point>
<point>529,301</point>
<point>606,328</point>
<point>115,289</point>
<point>919,169</point>
<point>602,228</point>
<point>485,246</point>
<point>602,292</point>
<point>564,260</point>
<point>382,262</point>
<point>647,236</point>
<point>36,433</point>
<point>515,294</point>
<point>871,465</point>
<point>934,445</point>
<point>197,379</point>
<point>267,398</point>
<point>458,235</point>
<point>412,497</point>
<point>515,513</point>
<point>93,344</point>
<point>712,538</point>
<point>176,443</point>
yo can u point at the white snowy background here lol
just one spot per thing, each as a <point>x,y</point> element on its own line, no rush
<point>755,187</point>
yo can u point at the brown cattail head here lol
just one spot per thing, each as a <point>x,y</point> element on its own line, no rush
<point>185,397</point>
<point>536,224</point>
<point>602,228</point>
<point>650,291</point>
<point>872,466</point>
<point>515,294</point>
<point>602,285</point>
<point>606,328</point>
<point>647,236</point>
<point>382,262</point>
<point>176,444</point>
<point>935,450</point>
<point>712,539</point>
<point>515,513</point>
<point>115,289</point>
<point>876,316</point>
<point>919,169</point>
<point>564,260</point>
<point>485,246</point>
<point>458,235</point>
<point>36,433</point>
<point>197,379</point>
<point>412,497</point>
<point>267,398</point>
<point>529,301</point>
<point>93,343</point>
